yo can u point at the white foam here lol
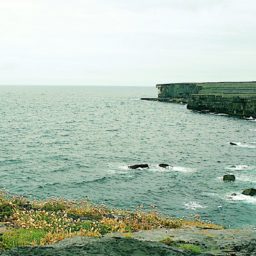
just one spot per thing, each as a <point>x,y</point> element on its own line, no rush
<point>247,178</point>
<point>123,167</point>
<point>221,114</point>
<point>251,118</point>
<point>183,169</point>
<point>241,197</point>
<point>155,168</point>
<point>193,205</point>
<point>239,167</point>
<point>245,145</point>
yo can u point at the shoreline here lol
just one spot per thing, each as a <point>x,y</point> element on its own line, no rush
<point>54,225</point>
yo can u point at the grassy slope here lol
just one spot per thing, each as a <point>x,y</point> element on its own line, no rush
<point>31,223</point>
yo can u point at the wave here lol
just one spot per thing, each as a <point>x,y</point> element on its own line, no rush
<point>241,197</point>
<point>247,178</point>
<point>157,168</point>
<point>239,167</point>
<point>183,169</point>
<point>193,205</point>
<point>245,145</point>
<point>49,185</point>
<point>97,180</point>
<point>251,118</point>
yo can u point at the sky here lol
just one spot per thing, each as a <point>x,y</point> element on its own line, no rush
<point>126,42</point>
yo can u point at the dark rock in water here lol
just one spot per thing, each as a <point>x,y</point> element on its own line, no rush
<point>249,192</point>
<point>229,177</point>
<point>233,194</point>
<point>164,165</point>
<point>233,143</point>
<point>137,166</point>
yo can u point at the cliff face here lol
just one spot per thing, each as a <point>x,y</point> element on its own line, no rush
<point>177,91</point>
<point>236,105</point>
<point>233,98</point>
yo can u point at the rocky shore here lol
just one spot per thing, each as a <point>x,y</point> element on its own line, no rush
<point>61,227</point>
<point>176,242</point>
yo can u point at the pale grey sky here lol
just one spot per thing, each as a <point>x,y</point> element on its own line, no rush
<point>126,42</point>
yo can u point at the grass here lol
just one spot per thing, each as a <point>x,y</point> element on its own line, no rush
<point>32,223</point>
<point>184,246</point>
<point>191,248</point>
<point>22,237</point>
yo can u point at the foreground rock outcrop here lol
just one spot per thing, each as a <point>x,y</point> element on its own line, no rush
<point>63,227</point>
<point>164,242</point>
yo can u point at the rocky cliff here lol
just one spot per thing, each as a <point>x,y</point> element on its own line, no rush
<point>233,98</point>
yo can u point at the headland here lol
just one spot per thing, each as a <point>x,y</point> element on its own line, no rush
<point>232,98</point>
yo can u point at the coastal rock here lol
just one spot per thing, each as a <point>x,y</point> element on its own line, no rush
<point>164,242</point>
<point>164,165</point>
<point>249,192</point>
<point>108,246</point>
<point>137,166</point>
<point>232,98</point>
<point>229,177</point>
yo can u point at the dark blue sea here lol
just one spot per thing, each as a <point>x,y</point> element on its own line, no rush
<point>77,142</point>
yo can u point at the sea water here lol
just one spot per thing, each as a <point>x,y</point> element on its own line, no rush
<point>77,142</point>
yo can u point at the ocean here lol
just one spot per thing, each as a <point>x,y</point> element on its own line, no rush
<point>77,142</point>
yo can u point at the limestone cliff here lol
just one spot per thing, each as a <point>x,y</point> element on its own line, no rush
<point>233,98</point>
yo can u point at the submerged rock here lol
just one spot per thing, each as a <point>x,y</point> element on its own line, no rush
<point>164,165</point>
<point>249,192</point>
<point>137,166</point>
<point>229,177</point>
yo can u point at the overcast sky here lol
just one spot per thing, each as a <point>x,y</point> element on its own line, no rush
<point>126,42</point>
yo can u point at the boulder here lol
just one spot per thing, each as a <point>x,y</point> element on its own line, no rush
<point>233,143</point>
<point>249,192</point>
<point>137,166</point>
<point>164,165</point>
<point>229,177</point>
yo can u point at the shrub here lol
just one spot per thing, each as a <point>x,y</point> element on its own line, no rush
<point>6,210</point>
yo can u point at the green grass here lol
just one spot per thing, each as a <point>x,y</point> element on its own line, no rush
<point>191,248</point>
<point>22,237</point>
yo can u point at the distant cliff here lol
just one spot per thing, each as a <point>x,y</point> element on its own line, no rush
<point>233,98</point>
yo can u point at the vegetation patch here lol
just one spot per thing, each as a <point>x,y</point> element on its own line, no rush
<point>31,223</point>
<point>22,237</point>
<point>191,248</point>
